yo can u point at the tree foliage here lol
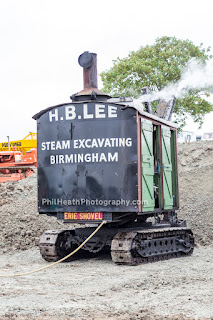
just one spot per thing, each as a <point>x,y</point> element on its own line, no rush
<point>157,66</point>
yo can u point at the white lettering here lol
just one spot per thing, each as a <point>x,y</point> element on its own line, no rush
<point>103,157</point>
<point>65,144</point>
<point>88,157</point>
<point>97,111</point>
<point>52,145</point>
<point>70,112</point>
<point>55,145</point>
<point>48,145</point>
<point>53,114</point>
<point>85,112</point>
<point>94,143</point>
<point>112,112</point>
<point>122,142</point>
<point>128,142</point>
<point>69,159</point>
<point>113,141</point>
<point>43,146</point>
<point>100,111</point>
<point>81,143</point>
<point>52,159</point>
<point>80,158</point>
<point>87,143</point>
<point>94,157</point>
<point>75,144</point>
<point>107,143</point>
<point>58,145</point>
<point>100,142</point>
<point>113,157</point>
<point>61,158</point>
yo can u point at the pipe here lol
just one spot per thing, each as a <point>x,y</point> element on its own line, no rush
<point>8,138</point>
<point>88,61</point>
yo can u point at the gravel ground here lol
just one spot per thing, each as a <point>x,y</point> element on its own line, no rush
<point>98,289</point>
<point>177,289</point>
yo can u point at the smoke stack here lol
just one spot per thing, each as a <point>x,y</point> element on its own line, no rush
<point>88,61</point>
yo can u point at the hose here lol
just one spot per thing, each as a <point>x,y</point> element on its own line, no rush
<point>54,263</point>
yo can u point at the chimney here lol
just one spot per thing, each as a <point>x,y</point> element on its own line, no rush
<point>88,61</point>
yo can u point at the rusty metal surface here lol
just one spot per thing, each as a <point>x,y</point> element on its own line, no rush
<point>148,105</point>
<point>15,168</point>
<point>90,74</point>
<point>90,93</point>
<point>165,109</point>
<point>88,61</point>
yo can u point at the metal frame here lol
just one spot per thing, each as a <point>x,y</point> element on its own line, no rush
<point>173,128</point>
<point>139,162</point>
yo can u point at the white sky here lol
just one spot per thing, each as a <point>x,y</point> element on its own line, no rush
<point>40,41</point>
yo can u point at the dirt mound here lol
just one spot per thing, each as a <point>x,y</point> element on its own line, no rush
<point>20,223</point>
<point>196,186</point>
<point>194,155</point>
<point>22,226</point>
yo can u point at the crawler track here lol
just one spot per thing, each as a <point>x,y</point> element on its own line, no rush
<point>17,168</point>
<point>53,244</point>
<point>56,244</point>
<point>15,173</point>
<point>133,248</point>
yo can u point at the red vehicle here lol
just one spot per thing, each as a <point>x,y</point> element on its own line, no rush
<point>16,166</point>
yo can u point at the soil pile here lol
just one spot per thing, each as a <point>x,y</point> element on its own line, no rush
<point>21,225</point>
<point>196,188</point>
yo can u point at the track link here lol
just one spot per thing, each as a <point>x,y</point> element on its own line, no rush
<point>53,244</point>
<point>133,248</point>
<point>16,168</point>
<point>56,244</point>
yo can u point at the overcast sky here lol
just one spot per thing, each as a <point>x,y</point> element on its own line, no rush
<point>41,41</point>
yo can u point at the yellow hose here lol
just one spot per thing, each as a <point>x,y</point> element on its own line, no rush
<point>54,263</point>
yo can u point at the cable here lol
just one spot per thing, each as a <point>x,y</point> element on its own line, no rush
<point>54,263</point>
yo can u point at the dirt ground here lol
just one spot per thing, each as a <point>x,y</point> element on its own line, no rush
<point>96,288</point>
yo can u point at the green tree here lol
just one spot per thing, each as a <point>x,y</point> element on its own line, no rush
<point>157,66</point>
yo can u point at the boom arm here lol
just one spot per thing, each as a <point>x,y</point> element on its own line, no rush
<point>165,109</point>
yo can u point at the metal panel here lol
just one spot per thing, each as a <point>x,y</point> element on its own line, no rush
<point>78,170</point>
<point>139,162</point>
<point>158,177</point>
<point>167,167</point>
<point>174,154</point>
<point>147,165</point>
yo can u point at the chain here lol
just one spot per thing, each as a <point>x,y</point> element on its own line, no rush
<point>90,248</point>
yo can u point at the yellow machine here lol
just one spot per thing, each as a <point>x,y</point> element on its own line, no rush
<point>24,145</point>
